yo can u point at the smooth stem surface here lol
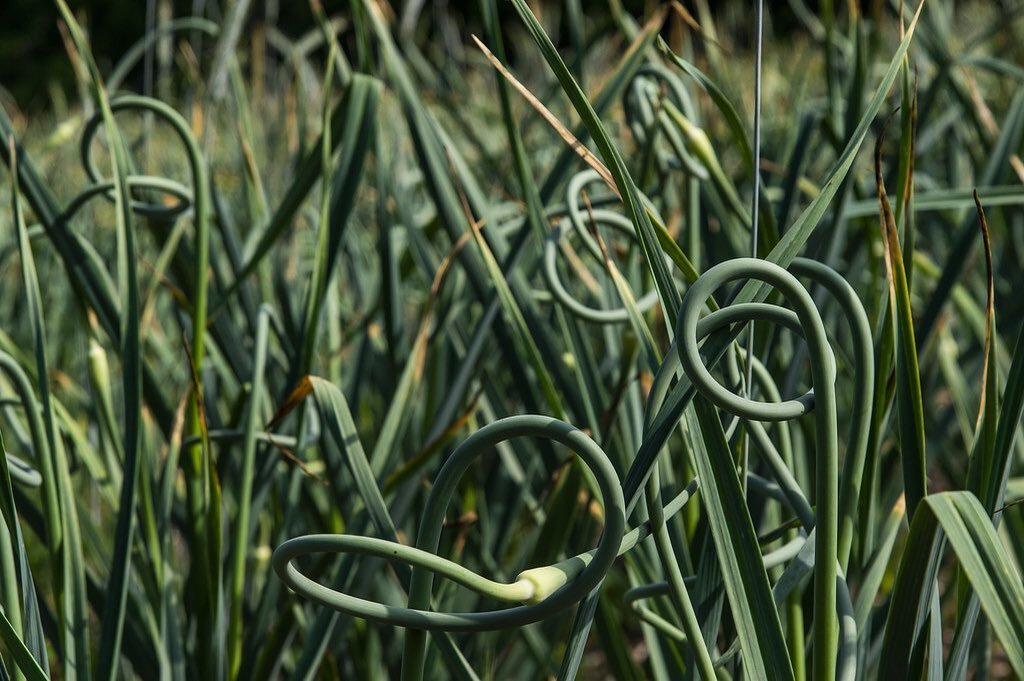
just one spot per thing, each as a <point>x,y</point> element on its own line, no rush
<point>826,427</point>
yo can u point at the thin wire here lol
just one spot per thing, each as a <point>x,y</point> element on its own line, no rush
<point>757,126</point>
<point>754,209</point>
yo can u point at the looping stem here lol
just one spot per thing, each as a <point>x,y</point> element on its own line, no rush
<point>689,333</point>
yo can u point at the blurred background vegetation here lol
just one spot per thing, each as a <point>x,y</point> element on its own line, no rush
<point>35,69</point>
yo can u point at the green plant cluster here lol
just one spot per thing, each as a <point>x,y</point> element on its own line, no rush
<point>406,354</point>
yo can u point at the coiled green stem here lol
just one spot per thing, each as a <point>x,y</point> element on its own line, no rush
<point>558,290</point>
<point>823,373</point>
<point>23,473</point>
<point>790,492</point>
<point>547,589</point>
<point>648,121</point>
<point>581,220</point>
<point>864,378</point>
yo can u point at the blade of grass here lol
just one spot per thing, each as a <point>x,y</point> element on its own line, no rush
<point>515,316</point>
<point>982,475</point>
<point>22,609</point>
<point>22,657</point>
<point>746,583</point>
<point>909,401</point>
<point>242,518</point>
<point>959,518</point>
<point>359,105</point>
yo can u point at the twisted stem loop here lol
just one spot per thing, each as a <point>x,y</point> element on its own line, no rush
<point>823,374</point>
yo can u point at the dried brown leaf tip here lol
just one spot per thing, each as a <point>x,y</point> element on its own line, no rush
<point>299,393</point>
<point>990,312</point>
<point>885,214</point>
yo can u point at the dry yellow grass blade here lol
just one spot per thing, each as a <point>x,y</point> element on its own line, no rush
<point>588,156</point>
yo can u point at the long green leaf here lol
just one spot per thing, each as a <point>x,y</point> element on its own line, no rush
<point>909,401</point>
<point>23,659</point>
<point>765,655</point>
<point>359,108</point>
<point>959,518</point>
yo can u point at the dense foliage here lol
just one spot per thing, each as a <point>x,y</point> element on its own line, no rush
<point>466,343</point>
